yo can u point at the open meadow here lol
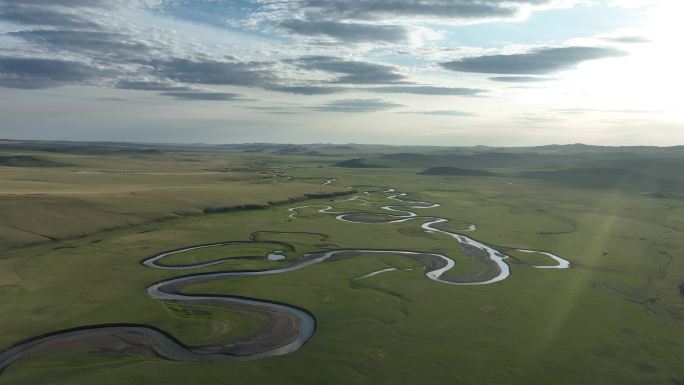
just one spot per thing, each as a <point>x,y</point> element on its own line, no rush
<point>352,254</point>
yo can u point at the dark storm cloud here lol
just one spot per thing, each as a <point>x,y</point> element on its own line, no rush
<point>520,79</point>
<point>347,32</point>
<point>446,9</point>
<point>352,71</point>
<point>34,73</point>
<point>207,96</point>
<point>428,90</point>
<point>357,105</point>
<point>538,61</point>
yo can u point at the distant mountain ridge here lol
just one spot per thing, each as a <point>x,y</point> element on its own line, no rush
<point>26,161</point>
<point>455,171</point>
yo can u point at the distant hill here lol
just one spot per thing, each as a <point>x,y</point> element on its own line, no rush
<point>356,163</point>
<point>408,157</point>
<point>290,150</point>
<point>475,161</point>
<point>455,171</point>
<point>85,148</point>
<point>517,160</point>
<point>604,178</point>
<point>26,161</point>
<point>544,158</point>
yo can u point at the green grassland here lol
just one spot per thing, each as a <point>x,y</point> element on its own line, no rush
<point>96,192</point>
<point>615,317</point>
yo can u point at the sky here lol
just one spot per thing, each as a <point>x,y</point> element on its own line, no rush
<point>405,72</point>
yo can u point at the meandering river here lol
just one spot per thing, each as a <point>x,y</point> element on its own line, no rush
<point>289,327</point>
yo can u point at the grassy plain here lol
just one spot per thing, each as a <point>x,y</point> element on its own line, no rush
<point>615,317</point>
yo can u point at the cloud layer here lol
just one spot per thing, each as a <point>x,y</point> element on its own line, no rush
<point>351,71</point>
<point>347,32</point>
<point>536,62</point>
<point>35,73</point>
<point>90,42</point>
<point>357,105</point>
<point>418,61</point>
<point>396,9</point>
